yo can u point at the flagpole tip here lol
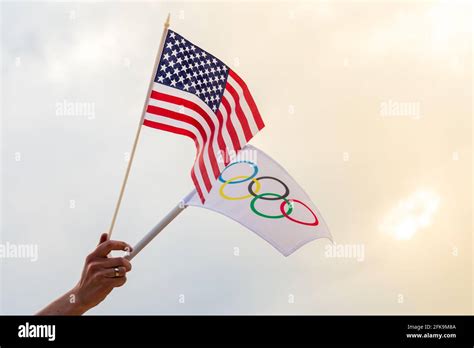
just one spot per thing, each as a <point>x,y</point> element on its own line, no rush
<point>167,23</point>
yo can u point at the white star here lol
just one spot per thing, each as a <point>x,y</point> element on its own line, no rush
<point>173,83</point>
<point>168,75</point>
<point>193,48</point>
<point>214,109</point>
<point>174,53</point>
<point>172,63</point>
<point>219,88</point>
<point>179,60</point>
<point>166,56</point>
<point>183,41</point>
<point>208,62</point>
<point>172,35</point>
<point>181,50</point>
<point>206,100</point>
<point>160,78</point>
<point>163,67</point>
<point>181,79</point>
<point>186,87</point>
<point>198,93</point>
<point>204,54</point>
<point>214,60</point>
<point>193,84</point>
<point>169,45</point>
<point>224,68</point>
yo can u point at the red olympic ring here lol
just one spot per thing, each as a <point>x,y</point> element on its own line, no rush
<point>282,209</point>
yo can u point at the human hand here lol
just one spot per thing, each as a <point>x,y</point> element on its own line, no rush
<point>101,273</point>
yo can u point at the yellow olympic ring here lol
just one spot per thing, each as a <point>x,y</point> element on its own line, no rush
<point>223,195</point>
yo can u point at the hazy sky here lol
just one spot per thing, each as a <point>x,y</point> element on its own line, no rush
<point>367,104</point>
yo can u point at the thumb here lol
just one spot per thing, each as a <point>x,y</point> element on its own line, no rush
<point>103,237</point>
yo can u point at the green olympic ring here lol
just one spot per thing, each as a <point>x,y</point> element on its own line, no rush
<point>252,206</point>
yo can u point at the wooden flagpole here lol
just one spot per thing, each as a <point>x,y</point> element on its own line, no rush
<point>137,136</point>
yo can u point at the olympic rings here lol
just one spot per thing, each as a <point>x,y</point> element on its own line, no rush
<point>252,206</point>
<point>230,181</point>
<point>282,209</point>
<point>264,196</point>
<point>277,197</point>
<point>245,178</point>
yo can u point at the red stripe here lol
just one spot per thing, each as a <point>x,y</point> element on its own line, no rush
<point>220,138</point>
<point>244,123</point>
<point>248,97</point>
<point>190,105</point>
<point>189,120</point>
<point>230,127</point>
<point>186,133</point>
<point>196,184</point>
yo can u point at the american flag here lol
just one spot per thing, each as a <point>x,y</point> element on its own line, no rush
<point>196,95</point>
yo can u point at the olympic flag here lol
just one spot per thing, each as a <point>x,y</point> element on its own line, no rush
<point>254,190</point>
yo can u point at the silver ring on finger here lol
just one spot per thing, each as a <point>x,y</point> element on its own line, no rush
<point>117,272</point>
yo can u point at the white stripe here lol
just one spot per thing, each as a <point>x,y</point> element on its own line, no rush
<point>225,130</point>
<point>244,105</point>
<point>193,114</point>
<point>235,120</point>
<point>194,99</point>
<point>192,129</point>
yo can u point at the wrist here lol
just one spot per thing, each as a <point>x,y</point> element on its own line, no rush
<point>76,302</point>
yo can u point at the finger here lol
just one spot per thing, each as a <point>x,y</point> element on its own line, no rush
<point>106,247</point>
<point>116,262</point>
<point>103,238</point>
<point>110,272</point>
<point>117,282</point>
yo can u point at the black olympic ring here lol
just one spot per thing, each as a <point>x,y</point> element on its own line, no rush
<point>287,190</point>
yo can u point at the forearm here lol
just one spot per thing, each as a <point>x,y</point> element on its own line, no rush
<point>67,304</point>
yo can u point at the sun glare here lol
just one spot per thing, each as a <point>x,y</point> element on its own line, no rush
<point>411,214</point>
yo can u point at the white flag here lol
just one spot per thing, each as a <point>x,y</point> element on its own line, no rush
<point>254,190</point>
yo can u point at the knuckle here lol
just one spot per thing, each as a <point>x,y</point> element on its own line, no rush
<point>121,281</point>
<point>96,277</point>
<point>93,267</point>
<point>126,264</point>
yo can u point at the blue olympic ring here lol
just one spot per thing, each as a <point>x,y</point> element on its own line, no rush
<point>255,171</point>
